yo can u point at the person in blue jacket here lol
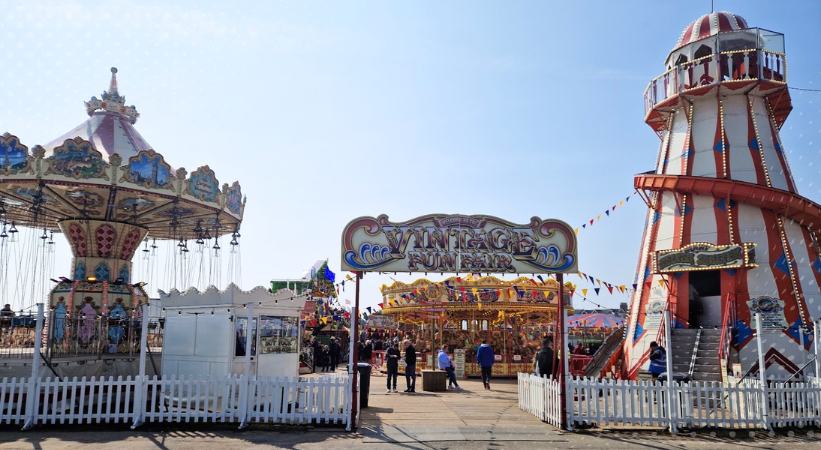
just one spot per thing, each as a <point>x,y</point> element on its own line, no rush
<point>658,360</point>
<point>485,359</point>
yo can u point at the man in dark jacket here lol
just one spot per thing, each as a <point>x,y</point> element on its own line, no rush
<point>392,361</point>
<point>545,358</point>
<point>410,366</point>
<point>485,359</point>
<point>334,351</point>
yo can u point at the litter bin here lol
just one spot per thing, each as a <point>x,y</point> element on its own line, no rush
<point>364,383</point>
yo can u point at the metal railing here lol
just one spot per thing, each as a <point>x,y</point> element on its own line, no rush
<point>695,354</point>
<point>68,337</point>
<point>17,336</point>
<point>727,66</point>
<point>726,335</point>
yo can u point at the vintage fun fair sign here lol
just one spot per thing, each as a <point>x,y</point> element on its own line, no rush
<point>458,243</point>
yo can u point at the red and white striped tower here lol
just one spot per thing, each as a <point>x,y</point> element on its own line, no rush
<point>726,235</point>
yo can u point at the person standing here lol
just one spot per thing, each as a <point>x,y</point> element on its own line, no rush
<point>392,361</point>
<point>658,360</point>
<point>545,359</point>
<point>366,351</point>
<point>323,358</point>
<point>410,366</point>
<point>485,358</point>
<point>334,352</point>
<point>447,365</point>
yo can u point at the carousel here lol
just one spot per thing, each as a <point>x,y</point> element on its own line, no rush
<point>103,186</point>
<point>513,316</point>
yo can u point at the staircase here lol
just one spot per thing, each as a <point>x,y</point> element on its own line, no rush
<point>706,367</point>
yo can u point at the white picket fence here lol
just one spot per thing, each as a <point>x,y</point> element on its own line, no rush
<point>695,404</point>
<point>236,399</point>
<point>540,396</point>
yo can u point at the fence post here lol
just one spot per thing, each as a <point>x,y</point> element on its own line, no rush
<point>140,383</point>
<point>762,375</point>
<point>668,360</point>
<point>815,336</point>
<point>244,396</point>
<point>33,395</point>
<point>568,376</point>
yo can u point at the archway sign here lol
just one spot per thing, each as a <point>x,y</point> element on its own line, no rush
<point>457,243</point>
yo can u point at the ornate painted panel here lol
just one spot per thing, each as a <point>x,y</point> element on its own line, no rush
<point>77,237</point>
<point>13,154</point>
<point>234,198</point>
<point>105,235</point>
<point>203,185</point>
<point>77,159</point>
<point>102,272</point>
<point>149,169</point>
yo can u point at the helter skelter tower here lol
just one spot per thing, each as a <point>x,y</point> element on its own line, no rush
<point>727,235</point>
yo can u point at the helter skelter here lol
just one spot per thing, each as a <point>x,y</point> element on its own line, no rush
<point>727,234</point>
<point>104,187</point>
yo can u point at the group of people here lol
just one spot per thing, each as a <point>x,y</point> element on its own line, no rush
<point>326,357</point>
<point>484,357</point>
<point>392,355</point>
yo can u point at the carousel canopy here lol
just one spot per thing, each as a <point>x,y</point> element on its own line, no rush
<point>104,170</point>
<point>472,293</point>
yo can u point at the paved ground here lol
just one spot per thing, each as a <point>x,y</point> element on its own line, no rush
<point>472,419</point>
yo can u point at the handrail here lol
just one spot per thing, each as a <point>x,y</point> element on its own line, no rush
<point>724,339</point>
<point>801,369</point>
<point>723,66</point>
<point>695,353</point>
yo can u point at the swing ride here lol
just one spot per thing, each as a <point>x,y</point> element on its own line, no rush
<point>104,187</point>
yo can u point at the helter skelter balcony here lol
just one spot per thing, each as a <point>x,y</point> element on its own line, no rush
<point>750,59</point>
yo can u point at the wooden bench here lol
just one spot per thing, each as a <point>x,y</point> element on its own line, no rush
<point>434,380</point>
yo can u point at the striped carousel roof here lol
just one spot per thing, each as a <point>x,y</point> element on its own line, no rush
<point>710,25</point>
<point>110,126</point>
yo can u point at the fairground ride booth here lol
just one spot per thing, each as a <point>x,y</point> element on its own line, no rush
<point>206,332</point>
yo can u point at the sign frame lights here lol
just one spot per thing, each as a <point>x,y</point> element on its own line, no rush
<point>687,258</point>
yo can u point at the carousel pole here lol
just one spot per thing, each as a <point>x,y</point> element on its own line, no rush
<point>562,331</point>
<point>354,356</point>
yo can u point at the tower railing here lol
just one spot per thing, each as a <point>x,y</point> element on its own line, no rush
<point>723,67</point>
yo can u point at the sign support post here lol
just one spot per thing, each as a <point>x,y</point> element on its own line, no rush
<point>562,351</point>
<point>354,365</point>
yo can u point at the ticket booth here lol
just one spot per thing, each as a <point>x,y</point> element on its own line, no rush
<point>205,332</point>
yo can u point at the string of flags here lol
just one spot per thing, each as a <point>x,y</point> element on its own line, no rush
<point>471,294</point>
<point>606,213</point>
<point>598,283</point>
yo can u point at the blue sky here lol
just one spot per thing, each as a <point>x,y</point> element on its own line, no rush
<point>328,111</point>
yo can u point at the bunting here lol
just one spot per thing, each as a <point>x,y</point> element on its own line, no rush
<point>606,212</point>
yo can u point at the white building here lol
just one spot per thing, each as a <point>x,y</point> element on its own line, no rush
<point>205,332</point>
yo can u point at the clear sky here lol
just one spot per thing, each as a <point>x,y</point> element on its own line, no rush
<point>328,111</point>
